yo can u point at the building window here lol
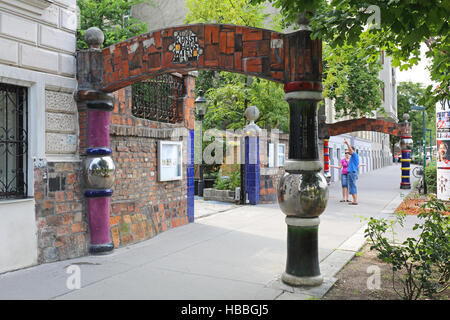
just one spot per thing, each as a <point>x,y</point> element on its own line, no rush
<point>159,99</point>
<point>13,142</point>
<point>281,154</point>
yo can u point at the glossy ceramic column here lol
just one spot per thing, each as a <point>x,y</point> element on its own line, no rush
<point>406,144</point>
<point>98,166</point>
<point>303,190</point>
<point>326,160</point>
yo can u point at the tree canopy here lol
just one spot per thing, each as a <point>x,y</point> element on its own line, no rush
<point>408,94</point>
<point>229,93</point>
<point>400,29</point>
<point>112,17</point>
<point>351,78</point>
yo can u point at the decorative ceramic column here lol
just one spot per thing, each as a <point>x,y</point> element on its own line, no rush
<point>98,166</point>
<point>406,144</point>
<point>252,132</point>
<point>303,190</point>
<point>326,159</point>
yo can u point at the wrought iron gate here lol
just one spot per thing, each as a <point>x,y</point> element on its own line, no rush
<point>159,99</point>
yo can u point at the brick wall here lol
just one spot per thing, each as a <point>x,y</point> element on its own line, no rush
<point>142,207</point>
<point>60,212</point>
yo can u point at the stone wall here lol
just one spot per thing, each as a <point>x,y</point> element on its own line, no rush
<point>61,129</point>
<point>38,38</point>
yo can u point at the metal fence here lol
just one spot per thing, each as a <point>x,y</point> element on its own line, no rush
<point>159,99</point>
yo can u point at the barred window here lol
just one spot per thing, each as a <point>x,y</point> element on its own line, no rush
<point>13,141</point>
<point>159,99</point>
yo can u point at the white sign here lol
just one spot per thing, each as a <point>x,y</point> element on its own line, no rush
<point>170,160</point>
<point>443,152</point>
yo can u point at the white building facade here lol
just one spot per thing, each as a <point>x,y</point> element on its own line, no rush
<point>374,148</point>
<point>37,80</point>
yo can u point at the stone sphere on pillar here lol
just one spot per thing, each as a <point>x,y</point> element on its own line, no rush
<point>406,117</point>
<point>251,113</point>
<point>94,37</point>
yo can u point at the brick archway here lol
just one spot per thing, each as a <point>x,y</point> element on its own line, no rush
<point>257,52</point>
<point>364,124</point>
<point>402,130</point>
<point>293,59</point>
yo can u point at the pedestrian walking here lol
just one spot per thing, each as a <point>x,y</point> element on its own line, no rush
<point>343,165</point>
<point>352,173</point>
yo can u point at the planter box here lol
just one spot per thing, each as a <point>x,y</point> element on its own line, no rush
<point>221,195</point>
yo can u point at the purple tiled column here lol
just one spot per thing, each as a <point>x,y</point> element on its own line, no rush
<point>98,172</point>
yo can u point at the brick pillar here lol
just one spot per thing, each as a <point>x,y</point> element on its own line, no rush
<point>98,166</point>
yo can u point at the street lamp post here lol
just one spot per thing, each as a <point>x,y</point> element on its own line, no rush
<point>201,108</point>
<point>431,144</point>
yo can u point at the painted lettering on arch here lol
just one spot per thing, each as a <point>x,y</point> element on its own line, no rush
<point>185,47</point>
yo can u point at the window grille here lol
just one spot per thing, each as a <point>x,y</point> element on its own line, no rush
<point>159,99</point>
<point>13,142</point>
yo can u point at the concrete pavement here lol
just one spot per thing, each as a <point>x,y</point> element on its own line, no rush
<point>230,252</point>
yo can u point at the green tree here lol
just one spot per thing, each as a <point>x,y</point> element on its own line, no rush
<point>402,27</point>
<point>408,94</point>
<point>238,12</point>
<point>226,103</point>
<point>229,93</point>
<point>112,17</point>
<point>350,77</point>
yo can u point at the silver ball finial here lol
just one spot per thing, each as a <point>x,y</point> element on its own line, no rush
<point>406,117</point>
<point>303,21</point>
<point>94,37</point>
<point>252,113</point>
<point>252,129</point>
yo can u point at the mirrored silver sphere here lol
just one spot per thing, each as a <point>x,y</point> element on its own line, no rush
<point>406,144</point>
<point>303,194</point>
<point>99,172</point>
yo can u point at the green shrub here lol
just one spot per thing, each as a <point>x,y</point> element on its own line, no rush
<point>222,183</point>
<point>431,177</point>
<point>230,182</point>
<point>422,265</point>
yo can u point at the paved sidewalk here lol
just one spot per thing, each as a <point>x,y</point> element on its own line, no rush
<point>235,254</point>
<point>208,208</point>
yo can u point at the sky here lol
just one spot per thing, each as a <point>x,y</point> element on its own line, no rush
<point>418,73</point>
